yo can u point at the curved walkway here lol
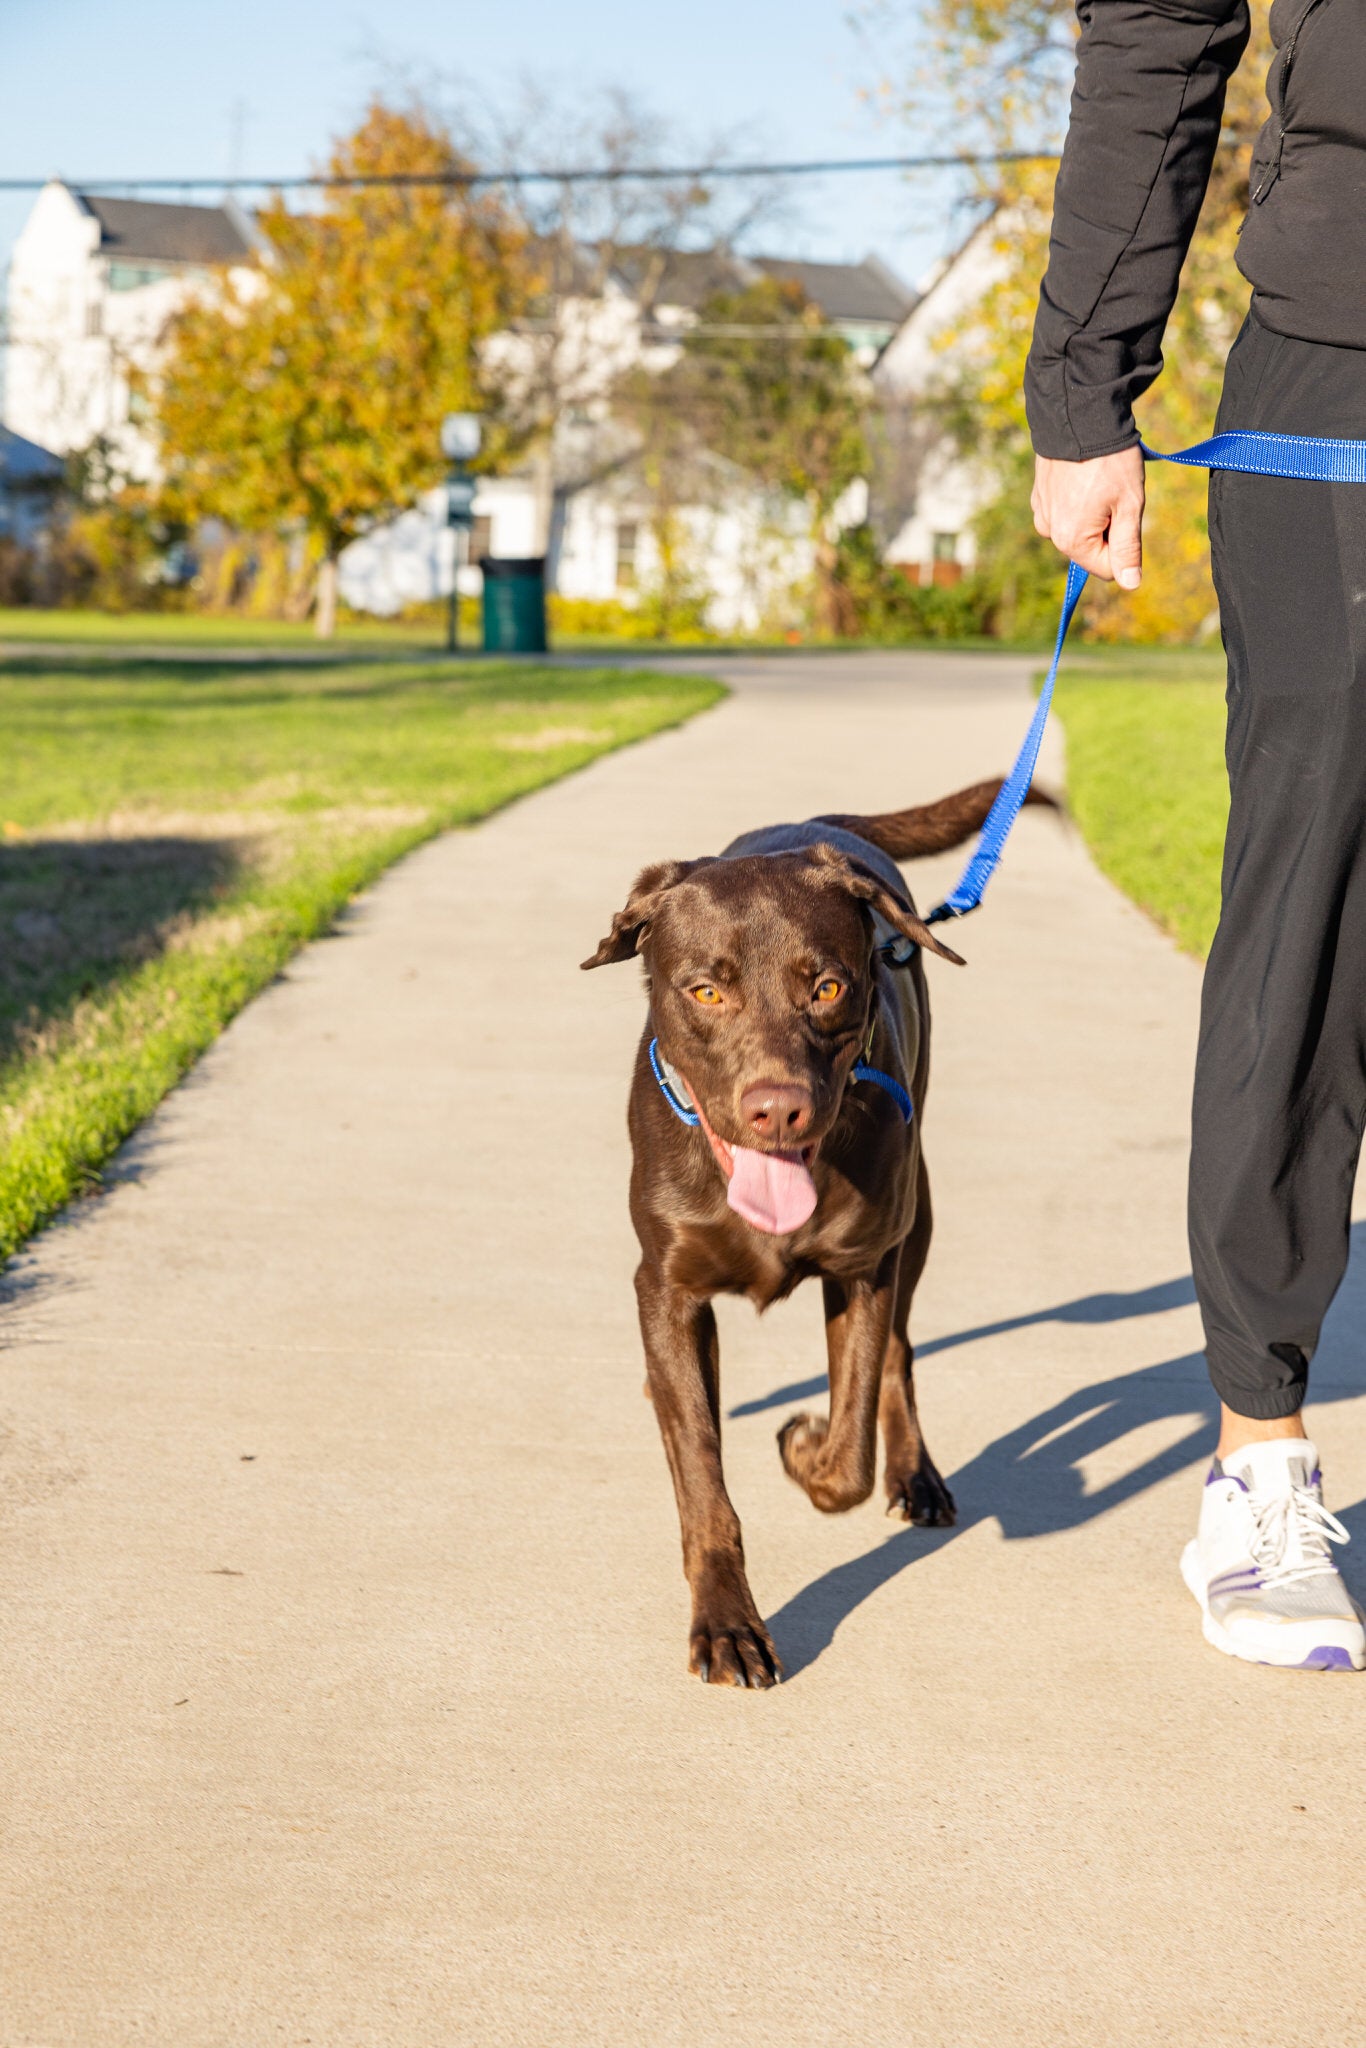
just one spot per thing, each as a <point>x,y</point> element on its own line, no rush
<point>344,1696</point>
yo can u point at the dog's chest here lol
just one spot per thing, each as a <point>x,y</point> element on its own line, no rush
<point>730,1258</point>
<point>774,1276</point>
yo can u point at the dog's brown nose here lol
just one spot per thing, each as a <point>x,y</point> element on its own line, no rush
<point>777,1110</point>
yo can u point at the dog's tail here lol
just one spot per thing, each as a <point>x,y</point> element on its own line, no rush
<point>932,828</point>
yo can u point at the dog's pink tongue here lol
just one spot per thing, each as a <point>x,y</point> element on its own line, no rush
<point>771,1190</point>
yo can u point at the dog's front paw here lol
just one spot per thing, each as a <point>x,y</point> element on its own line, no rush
<point>921,1497</point>
<point>834,1488</point>
<point>800,1441</point>
<point>729,1645</point>
<point>729,1650</point>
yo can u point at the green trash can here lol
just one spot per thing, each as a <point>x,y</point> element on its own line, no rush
<point>514,604</point>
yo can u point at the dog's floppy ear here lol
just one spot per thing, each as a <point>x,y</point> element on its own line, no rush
<point>631,923</point>
<point>837,871</point>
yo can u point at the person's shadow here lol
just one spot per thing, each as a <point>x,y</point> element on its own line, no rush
<point>1030,1480</point>
<point>1091,1308</point>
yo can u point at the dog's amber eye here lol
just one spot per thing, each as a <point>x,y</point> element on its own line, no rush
<point>705,993</point>
<point>829,990</point>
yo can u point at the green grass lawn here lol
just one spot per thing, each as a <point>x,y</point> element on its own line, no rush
<point>171,832</point>
<point>32,624</point>
<point>29,625</point>
<point>1145,777</point>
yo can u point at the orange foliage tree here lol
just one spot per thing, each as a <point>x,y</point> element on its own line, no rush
<point>307,394</point>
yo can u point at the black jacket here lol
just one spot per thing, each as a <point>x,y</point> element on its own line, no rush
<point>1146,108</point>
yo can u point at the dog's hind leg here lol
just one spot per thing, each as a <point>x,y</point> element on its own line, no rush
<point>835,1460</point>
<point>915,1490</point>
<point>728,1643</point>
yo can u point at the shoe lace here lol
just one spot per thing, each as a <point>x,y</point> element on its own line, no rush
<point>1291,1535</point>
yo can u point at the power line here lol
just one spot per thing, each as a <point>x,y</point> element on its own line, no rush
<point>603,174</point>
<point>600,174</point>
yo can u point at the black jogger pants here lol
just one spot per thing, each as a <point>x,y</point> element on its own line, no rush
<point>1280,1082</point>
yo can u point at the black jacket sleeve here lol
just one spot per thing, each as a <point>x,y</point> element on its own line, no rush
<point>1146,109</point>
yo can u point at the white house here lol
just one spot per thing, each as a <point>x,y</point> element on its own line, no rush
<point>93,281</point>
<point>583,501</point>
<point>934,493</point>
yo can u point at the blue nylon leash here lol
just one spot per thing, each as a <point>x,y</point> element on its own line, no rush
<point>1294,455</point>
<point>1013,791</point>
<point>1254,454</point>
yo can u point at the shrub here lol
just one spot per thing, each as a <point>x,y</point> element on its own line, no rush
<point>877,600</point>
<point>17,570</point>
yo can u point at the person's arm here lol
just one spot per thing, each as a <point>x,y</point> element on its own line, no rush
<point>1146,111</point>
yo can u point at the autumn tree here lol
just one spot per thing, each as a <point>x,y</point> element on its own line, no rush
<point>308,394</point>
<point>761,383</point>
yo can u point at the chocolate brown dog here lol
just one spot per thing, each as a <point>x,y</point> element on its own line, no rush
<point>775,1116</point>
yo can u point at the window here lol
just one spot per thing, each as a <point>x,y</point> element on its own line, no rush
<point>129,277</point>
<point>628,532</point>
<point>945,547</point>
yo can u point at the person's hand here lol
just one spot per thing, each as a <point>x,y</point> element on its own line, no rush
<point>1093,513</point>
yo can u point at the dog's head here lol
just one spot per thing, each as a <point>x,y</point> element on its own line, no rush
<point>761,987</point>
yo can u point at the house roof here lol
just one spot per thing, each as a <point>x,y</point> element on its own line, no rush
<point>680,277</point>
<point>865,291</point>
<point>25,465</point>
<point>149,230</point>
<point>667,277</point>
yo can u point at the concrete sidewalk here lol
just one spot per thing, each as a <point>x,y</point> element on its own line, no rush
<point>344,1696</point>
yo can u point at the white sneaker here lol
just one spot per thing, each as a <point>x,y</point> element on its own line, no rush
<point>1261,1567</point>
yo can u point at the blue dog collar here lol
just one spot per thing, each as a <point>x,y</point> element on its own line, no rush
<point>671,1087</point>
<point>674,1090</point>
<point>863,1072</point>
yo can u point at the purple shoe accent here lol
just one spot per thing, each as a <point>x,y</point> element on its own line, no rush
<point>1248,1581</point>
<point>1217,1473</point>
<point>1316,1477</point>
<point>1327,1657</point>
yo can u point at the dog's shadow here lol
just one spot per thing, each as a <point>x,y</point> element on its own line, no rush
<point>1030,1480</point>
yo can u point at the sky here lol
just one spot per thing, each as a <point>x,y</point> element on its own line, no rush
<point>105,89</point>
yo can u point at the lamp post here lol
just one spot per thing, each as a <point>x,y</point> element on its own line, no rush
<point>462,434</point>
